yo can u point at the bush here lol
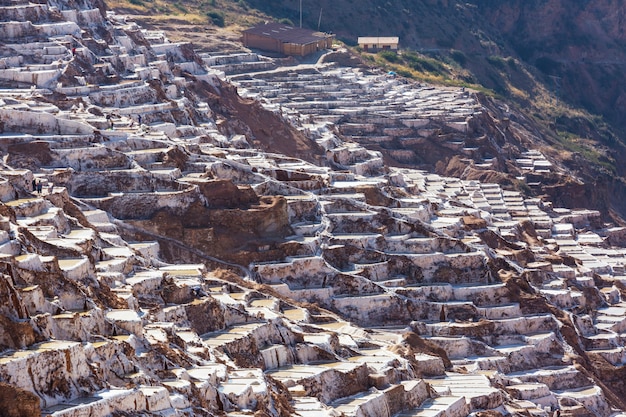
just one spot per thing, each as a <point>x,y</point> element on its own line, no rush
<point>410,57</point>
<point>458,56</point>
<point>424,64</point>
<point>217,18</point>
<point>404,73</point>
<point>496,61</point>
<point>286,21</point>
<point>389,56</point>
<point>181,7</point>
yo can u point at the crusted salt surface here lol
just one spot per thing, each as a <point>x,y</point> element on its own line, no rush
<point>385,253</point>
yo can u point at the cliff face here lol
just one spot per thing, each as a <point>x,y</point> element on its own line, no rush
<point>582,43</point>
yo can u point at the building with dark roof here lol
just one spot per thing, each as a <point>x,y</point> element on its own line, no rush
<point>288,40</point>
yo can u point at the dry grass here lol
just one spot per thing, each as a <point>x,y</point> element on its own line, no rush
<point>190,11</point>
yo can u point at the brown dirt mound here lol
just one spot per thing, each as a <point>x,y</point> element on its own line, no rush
<point>262,128</point>
<point>30,155</point>
<point>16,402</point>
<point>419,345</point>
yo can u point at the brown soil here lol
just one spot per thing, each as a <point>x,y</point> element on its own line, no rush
<point>16,334</point>
<point>474,223</point>
<point>16,402</point>
<point>419,345</point>
<point>489,413</point>
<point>374,196</point>
<point>262,128</point>
<point>204,38</point>
<point>30,155</point>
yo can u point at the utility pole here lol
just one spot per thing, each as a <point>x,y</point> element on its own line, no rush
<point>319,22</point>
<point>300,13</point>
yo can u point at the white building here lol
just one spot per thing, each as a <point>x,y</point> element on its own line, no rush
<point>378,43</point>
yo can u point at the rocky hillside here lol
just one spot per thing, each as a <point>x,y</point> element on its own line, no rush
<point>560,60</point>
<point>582,43</point>
<point>534,55</point>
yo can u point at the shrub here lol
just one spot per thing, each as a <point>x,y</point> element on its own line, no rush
<point>458,56</point>
<point>217,18</point>
<point>389,56</point>
<point>496,61</point>
<point>286,21</point>
<point>181,7</point>
<point>445,43</point>
<point>404,73</point>
<point>424,64</point>
<point>410,57</point>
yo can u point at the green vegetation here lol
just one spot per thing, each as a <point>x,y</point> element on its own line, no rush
<point>587,149</point>
<point>286,21</point>
<point>243,4</point>
<point>425,64</point>
<point>458,56</point>
<point>440,69</point>
<point>389,56</point>
<point>547,65</point>
<point>497,61</point>
<point>404,73</point>
<point>181,7</point>
<point>411,63</point>
<point>502,63</point>
<point>217,18</point>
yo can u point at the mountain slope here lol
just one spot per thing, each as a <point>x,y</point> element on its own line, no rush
<point>561,62</point>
